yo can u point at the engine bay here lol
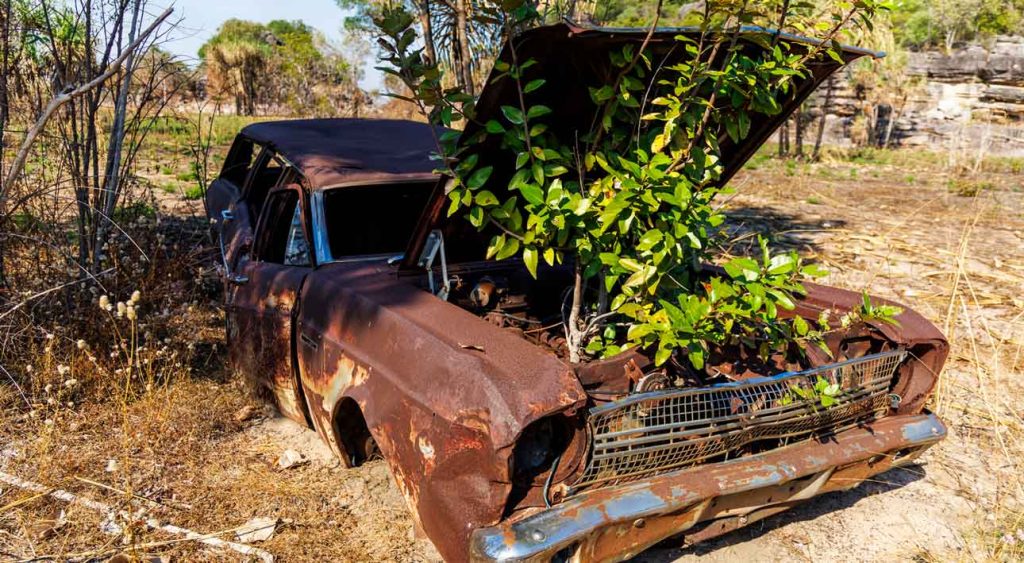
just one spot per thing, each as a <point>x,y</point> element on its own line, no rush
<point>508,297</point>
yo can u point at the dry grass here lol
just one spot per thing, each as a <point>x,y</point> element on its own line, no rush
<point>886,222</point>
<point>960,262</point>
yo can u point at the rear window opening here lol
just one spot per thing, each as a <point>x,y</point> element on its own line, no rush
<point>373,220</point>
<point>239,161</point>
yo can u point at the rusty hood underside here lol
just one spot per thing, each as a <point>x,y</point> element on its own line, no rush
<point>573,59</point>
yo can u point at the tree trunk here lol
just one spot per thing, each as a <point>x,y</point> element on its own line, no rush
<point>5,58</point>
<point>573,334</point>
<point>462,41</point>
<point>423,7</point>
<point>112,173</point>
<point>893,116</point>
<point>821,119</point>
<point>784,138</point>
<point>799,117</point>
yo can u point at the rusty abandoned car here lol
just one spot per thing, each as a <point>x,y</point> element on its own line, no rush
<point>371,316</point>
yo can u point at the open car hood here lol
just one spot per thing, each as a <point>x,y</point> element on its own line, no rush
<point>572,59</point>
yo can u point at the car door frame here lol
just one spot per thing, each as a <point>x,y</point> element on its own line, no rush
<point>263,306</point>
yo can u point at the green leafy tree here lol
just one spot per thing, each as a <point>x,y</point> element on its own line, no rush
<point>631,206</point>
<point>287,64</point>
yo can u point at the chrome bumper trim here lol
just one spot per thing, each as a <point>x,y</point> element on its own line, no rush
<point>540,535</point>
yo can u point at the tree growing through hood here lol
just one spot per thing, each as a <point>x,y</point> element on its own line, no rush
<point>632,202</point>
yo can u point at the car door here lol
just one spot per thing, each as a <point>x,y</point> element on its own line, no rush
<point>236,198</point>
<point>231,221</point>
<point>262,300</point>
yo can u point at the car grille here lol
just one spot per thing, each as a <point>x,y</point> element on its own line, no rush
<point>652,432</point>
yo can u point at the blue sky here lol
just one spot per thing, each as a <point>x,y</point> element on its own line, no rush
<point>202,17</point>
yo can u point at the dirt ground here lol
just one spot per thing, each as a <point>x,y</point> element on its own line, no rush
<point>203,455</point>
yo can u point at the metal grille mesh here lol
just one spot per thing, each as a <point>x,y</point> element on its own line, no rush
<point>652,432</point>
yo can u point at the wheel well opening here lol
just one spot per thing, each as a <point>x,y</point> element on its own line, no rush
<point>353,434</point>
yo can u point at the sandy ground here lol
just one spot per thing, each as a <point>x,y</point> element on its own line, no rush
<point>209,460</point>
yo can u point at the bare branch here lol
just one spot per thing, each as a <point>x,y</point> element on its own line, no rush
<point>69,94</point>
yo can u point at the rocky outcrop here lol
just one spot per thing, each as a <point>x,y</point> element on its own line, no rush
<point>969,99</point>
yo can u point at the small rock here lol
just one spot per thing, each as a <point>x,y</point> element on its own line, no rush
<point>109,524</point>
<point>112,466</point>
<point>257,529</point>
<point>290,458</point>
<point>244,413</point>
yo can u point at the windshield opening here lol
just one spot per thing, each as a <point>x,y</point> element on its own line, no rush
<point>373,220</point>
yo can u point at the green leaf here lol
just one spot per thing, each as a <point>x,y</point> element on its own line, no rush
<point>479,178</point>
<point>630,264</point>
<point>800,326</point>
<point>650,238</point>
<point>513,114</point>
<point>485,198</point>
<point>538,173</point>
<point>532,193</point>
<point>510,248</point>
<point>662,356</point>
<point>530,259</point>
<point>476,216</point>
<point>549,256</point>
<point>496,244</point>
<point>696,357</point>
<point>533,85</point>
<point>783,300</point>
<point>601,95</point>
<point>494,127</point>
<point>537,111</point>
<point>781,264</point>
<point>744,268</point>
<point>814,271</point>
<point>638,331</point>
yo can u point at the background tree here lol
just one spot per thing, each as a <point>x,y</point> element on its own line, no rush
<point>234,58</point>
<point>284,66</point>
<point>942,23</point>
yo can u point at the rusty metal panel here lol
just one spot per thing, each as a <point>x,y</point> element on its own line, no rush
<point>444,393</point>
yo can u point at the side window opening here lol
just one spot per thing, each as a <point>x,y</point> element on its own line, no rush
<point>373,220</point>
<point>240,161</point>
<point>281,239</point>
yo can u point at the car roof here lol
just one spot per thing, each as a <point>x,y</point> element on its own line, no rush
<point>338,151</point>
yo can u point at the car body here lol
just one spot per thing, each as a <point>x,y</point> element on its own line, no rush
<point>366,313</point>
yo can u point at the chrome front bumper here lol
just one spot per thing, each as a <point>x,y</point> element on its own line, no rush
<point>616,523</point>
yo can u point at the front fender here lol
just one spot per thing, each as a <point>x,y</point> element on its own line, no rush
<point>444,394</point>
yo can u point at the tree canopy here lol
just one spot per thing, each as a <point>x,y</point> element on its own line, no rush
<point>282,64</point>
